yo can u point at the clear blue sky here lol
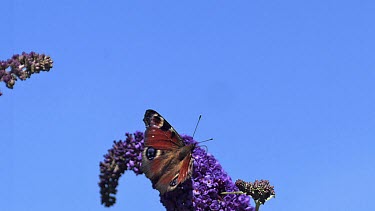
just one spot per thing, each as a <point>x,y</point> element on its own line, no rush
<point>286,89</point>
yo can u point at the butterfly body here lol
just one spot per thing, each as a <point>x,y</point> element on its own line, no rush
<point>166,159</point>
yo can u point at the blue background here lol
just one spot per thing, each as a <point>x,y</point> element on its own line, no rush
<point>286,89</point>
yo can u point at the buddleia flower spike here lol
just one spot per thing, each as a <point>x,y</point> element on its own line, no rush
<point>22,67</point>
<point>202,191</point>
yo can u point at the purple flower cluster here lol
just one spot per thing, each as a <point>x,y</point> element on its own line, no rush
<point>201,192</point>
<point>124,155</point>
<point>23,66</point>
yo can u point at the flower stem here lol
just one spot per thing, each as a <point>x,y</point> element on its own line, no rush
<point>257,205</point>
<point>236,192</point>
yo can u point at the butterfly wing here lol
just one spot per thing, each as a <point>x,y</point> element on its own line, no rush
<point>174,176</point>
<point>186,167</point>
<point>166,160</point>
<point>159,133</point>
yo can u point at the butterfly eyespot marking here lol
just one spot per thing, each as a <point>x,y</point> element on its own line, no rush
<point>150,153</point>
<point>158,121</point>
<point>173,182</point>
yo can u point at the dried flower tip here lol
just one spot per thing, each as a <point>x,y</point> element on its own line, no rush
<point>260,190</point>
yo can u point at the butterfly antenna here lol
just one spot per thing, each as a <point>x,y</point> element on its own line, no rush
<point>205,145</point>
<point>206,140</point>
<point>196,126</point>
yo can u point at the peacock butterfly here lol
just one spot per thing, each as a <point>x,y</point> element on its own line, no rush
<point>166,159</point>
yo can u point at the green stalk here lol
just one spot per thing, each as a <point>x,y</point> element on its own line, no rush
<point>236,192</point>
<point>257,205</point>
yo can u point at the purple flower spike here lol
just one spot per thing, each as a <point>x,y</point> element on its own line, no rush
<point>23,66</point>
<point>201,192</point>
<point>125,155</point>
